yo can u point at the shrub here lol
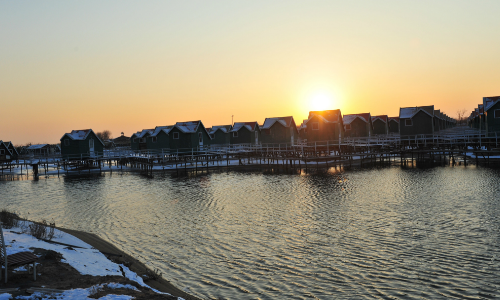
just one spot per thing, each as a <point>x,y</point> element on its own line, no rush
<point>41,230</point>
<point>9,219</point>
<point>153,275</point>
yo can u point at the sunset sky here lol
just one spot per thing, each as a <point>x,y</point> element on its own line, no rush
<point>129,65</point>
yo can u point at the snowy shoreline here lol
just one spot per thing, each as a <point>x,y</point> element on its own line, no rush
<point>84,258</point>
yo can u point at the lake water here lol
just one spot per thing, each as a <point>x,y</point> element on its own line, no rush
<point>376,233</point>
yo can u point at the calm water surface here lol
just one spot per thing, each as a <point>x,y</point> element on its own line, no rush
<point>380,233</point>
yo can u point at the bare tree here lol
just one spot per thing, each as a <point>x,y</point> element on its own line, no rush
<point>461,115</point>
<point>104,135</point>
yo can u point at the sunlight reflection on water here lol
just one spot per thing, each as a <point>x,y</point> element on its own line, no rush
<point>386,232</point>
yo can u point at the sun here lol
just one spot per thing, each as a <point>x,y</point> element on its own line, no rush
<point>321,101</point>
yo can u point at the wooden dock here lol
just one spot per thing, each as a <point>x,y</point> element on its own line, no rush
<point>453,146</point>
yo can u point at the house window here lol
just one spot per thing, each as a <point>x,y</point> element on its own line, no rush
<point>408,122</point>
<point>347,126</point>
<point>235,134</point>
<point>153,139</point>
<point>176,136</point>
<point>143,140</point>
<point>66,142</point>
<point>2,152</point>
<point>135,140</point>
<point>496,113</point>
<point>200,137</point>
<point>315,126</point>
<point>212,136</point>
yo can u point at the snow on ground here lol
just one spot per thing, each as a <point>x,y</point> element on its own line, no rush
<point>86,260</point>
<point>75,294</point>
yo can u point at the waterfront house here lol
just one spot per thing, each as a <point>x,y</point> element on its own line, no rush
<point>325,125</point>
<point>13,151</point>
<point>188,135</point>
<point>492,114</point>
<point>39,149</point>
<point>358,125</point>
<point>5,155</point>
<point>380,124</point>
<point>122,141</point>
<point>159,139</point>
<point>220,134</point>
<point>416,120</point>
<point>393,124</point>
<point>245,133</point>
<point>279,130</point>
<point>138,140</point>
<point>81,144</point>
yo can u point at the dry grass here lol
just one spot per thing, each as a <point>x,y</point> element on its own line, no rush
<point>8,219</point>
<point>42,230</point>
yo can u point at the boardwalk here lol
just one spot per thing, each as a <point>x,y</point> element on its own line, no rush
<point>459,144</point>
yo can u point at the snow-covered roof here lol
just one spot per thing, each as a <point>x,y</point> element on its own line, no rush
<point>348,119</point>
<point>333,115</point>
<point>394,119</point>
<point>158,129</point>
<point>188,127</point>
<point>142,133</point>
<point>35,147</point>
<point>489,102</point>
<point>285,121</point>
<point>252,126</point>
<point>382,118</point>
<point>223,128</point>
<point>11,147</point>
<point>409,112</point>
<point>80,135</point>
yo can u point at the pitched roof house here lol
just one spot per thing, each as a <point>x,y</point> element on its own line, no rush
<point>491,107</point>
<point>80,144</point>
<point>326,125</point>
<point>416,120</point>
<point>245,133</point>
<point>279,130</point>
<point>393,124</point>
<point>220,134</point>
<point>358,125</point>
<point>189,135</point>
<point>5,155</point>
<point>380,124</point>
<point>138,140</point>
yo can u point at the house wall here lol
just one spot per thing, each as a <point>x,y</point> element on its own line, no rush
<point>379,127</point>
<point>278,134</point>
<point>492,124</point>
<point>221,138</point>
<point>422,124</point>
<point>359,128</point>
<point>12,151</point>
<point>81,148</point>
<point>6,153</point>
<point>245,136</point>
<point>134,145</point>
<point>437,125</point>
<point>393,126</point>
<point>188,141</point>
<point>326,131</point>
<point>162,142</point>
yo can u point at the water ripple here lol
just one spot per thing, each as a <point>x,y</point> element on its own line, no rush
<point>383,233</point>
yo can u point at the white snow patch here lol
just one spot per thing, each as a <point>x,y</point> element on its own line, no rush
<point>5,296</point>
